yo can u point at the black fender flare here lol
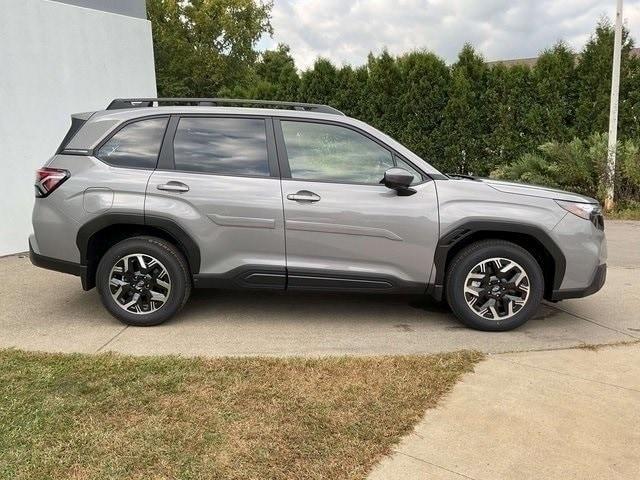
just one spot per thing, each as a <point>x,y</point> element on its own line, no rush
<point>469,227</point>
<point>169,226</point>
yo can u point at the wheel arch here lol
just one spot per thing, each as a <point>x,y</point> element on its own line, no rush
<point>95,237</point>
<point>531,237</point>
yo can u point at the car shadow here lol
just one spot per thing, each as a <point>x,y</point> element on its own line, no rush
<point>267,305</point>
<point>400,311</point>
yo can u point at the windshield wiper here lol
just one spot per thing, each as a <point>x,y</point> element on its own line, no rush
<point>462,175</point>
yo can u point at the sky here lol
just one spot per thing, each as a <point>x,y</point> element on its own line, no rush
<point>345,31</point>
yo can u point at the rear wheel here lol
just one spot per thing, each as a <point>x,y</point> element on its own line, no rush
<point>143,281</point>
<point>494,285</point>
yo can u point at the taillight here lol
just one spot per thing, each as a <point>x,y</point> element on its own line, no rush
<point>48,179</point>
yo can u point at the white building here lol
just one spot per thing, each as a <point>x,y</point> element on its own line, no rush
<point>59,57</point>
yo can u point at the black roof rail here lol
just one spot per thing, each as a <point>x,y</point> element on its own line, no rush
<point>121,103</point>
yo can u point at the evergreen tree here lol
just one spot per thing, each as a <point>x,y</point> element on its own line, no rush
<point>629,126</point>
<point>425,82</point>
<point>351,91</point>
<point>507,99</point>
<point>384,89</point>
<point>551,115</point>
<point>276,70</point>
<point>593,81</point>
<point>463,127</point>
<point>318,85</point>
<point>273,77</point>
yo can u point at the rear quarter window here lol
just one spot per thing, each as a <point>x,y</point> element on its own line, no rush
<point>76,125</point>
<point>136,145</point>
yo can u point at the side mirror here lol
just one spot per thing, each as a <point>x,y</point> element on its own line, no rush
<point>399,179</point>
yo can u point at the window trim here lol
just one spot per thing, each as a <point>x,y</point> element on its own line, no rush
<point>167,158</point>
<point>283,157</point>
<point>94,151</point>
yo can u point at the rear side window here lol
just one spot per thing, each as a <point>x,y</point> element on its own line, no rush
<point>224,146</point>
<point>135,145</point>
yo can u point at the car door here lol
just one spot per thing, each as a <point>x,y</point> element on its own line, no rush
<point>218,179</point>
<point>343,228</point>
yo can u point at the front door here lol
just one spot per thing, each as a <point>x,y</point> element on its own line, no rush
<point>343,229</point>
<point>218,179</point>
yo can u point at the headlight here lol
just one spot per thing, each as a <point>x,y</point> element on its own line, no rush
<point>582,210</point>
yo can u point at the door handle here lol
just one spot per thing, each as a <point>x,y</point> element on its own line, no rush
<point>304,196</point>
<point>174,186</point>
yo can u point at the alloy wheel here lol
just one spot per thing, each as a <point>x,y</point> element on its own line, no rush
<point>496,288</point>
<point>139,283</point>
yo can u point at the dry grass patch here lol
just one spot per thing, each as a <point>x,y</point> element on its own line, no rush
<point>111,416</point>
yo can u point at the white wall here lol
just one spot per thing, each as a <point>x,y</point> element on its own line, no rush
<point>55,60</point>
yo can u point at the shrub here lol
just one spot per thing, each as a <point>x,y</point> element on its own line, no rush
<point>579,166</point>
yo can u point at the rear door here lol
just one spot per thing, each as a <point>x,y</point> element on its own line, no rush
<point>343,228</point>
<point>218,178</point>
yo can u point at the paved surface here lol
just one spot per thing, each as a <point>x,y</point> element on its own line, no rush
<point>44,310</point>
<point>568,414</point>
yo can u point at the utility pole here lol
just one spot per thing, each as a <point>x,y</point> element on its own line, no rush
<point>613,110</point>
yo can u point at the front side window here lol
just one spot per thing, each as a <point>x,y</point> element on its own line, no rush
<point>135,145</point>
<point>417,176</point>
<point>224,146</point>
<point>319,151</point>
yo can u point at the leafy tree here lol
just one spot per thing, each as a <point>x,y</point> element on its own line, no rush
<point>464,126</point>
<point>201,46</point>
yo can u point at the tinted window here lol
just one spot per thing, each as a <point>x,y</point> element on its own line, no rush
<point>228,146</point>
<point>135,145</point>
<point>328,152</point>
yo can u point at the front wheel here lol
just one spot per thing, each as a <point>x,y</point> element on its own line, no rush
<point>494,285</point>
<point>143,281</point>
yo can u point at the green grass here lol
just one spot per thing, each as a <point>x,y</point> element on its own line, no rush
<point>110,416</point>
<point>625,213</point>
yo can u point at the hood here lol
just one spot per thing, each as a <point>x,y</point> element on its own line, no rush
<point>536,191</point>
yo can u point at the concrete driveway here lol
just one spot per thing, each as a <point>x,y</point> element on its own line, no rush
<point>562,414</point>
<point>43,310</point>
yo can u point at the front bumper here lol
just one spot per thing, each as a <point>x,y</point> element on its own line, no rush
<point>58,265</point>
<point>596,284</point>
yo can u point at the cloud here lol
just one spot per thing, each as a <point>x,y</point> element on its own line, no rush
<point>345,31</point>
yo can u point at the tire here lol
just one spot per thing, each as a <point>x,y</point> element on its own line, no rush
<point>479,267</point>
<point>153,269</point>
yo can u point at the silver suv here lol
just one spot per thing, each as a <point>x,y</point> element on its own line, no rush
<point>152,197</point>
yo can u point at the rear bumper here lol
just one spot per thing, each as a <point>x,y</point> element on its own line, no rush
<point>58,265</point>
<point>596,284</point>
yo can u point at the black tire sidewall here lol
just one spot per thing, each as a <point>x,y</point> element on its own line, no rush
<point>467,259</point>
<point>168,256</point>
